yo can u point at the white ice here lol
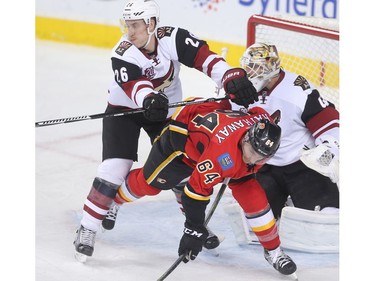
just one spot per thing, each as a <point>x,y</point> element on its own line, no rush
<point>72,81</point>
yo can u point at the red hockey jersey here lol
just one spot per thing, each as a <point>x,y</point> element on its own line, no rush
<point>213,134</point>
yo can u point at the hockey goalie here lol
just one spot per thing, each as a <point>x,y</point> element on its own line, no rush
<point>301,179</point>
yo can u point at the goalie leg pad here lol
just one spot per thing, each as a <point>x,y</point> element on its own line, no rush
<point>238,223</point>
<point>309,231</point>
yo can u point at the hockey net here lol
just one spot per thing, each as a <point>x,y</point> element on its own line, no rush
<point>308,46</point>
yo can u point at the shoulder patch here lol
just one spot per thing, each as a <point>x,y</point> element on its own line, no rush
<point>164,31</point>
<point>302,82</point>
<point>124,45</point>
<point>225,161</point>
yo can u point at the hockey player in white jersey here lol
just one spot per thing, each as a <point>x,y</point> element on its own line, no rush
<point>305,167</point>
<point>146,65</point>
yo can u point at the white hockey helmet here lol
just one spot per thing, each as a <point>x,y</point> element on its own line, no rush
<point>141,10</point>
<point>261,62</point>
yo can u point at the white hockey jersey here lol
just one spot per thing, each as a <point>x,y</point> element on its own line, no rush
<point>137,74</point>
<point>304,115</point>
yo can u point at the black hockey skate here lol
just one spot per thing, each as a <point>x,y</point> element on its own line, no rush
<point>110,219</point>
<point>280,261</point>
<point>212,243</point>
<point>212,240</point>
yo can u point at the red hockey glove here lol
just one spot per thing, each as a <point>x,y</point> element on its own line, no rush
<point>192,241</point>
<point>239,88</point>
<point>156,107</point>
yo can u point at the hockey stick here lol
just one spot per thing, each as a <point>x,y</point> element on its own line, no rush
<point>208,217</point>
<point>224,52</point>
<point>125,112</point>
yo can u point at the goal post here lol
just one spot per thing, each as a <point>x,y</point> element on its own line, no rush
<point>308,46</point>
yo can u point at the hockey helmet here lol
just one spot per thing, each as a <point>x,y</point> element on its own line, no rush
<point>264,137</point>
<point>141,10</point>
<point>261,62</point>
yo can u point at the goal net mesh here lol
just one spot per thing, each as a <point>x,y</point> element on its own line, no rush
<point>308,46</point>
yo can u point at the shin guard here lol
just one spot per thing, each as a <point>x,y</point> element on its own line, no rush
<point>98,203</point>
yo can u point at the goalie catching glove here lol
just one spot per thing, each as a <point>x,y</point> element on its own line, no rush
<point>239,88</point>
<point>324,159</point>
<point>192,241</point>
<point>156,107</point>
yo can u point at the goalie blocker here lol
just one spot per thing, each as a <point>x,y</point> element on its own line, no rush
<point>299,229</point>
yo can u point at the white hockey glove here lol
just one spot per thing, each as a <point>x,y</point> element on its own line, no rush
<point>324,159</point>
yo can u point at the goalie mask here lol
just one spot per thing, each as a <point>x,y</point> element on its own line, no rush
<point>140,10</point>
<point>261,63</point>
<point>261,142</point>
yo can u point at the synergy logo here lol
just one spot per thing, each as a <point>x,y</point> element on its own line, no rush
<point>312,8</point>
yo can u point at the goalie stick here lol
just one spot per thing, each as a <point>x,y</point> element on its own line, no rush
<point>125,112</point>
<point>208,218</point>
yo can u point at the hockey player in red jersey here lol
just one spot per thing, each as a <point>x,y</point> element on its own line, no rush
<point>146,64</point>
<point>208,143</point>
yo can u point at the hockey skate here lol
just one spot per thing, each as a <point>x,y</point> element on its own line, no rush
<point>84,243</point>
<point>110,219</point>
<point>212,242</point>
<point>280,261</point>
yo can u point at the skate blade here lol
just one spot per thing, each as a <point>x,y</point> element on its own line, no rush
<point>80,257</point>
<point>213,252</point>
<point>221,238</point>
<point>294,276</point>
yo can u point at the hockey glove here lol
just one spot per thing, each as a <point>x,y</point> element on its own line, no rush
<point>192,241</point>
<point>239,88</point>
<point>324,159</point>
<point>156,107</point>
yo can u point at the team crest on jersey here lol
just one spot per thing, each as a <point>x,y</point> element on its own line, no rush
<point>225,161</point>
<point>124,45</point>
<point>164,31</point>
<point>302,82</point>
